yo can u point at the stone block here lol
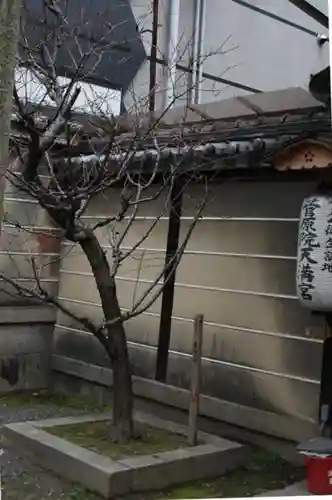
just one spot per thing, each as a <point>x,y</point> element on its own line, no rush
<point>111,478</point>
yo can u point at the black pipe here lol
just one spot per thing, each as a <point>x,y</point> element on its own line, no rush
<point>311,11</point>
<point>169,279</point>
<point>153,56</point>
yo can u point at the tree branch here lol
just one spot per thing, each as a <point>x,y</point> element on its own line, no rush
<point>43,296</point>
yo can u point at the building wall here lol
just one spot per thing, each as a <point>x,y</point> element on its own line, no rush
<point>29,244</point>
<point>29,248</point>
<point>248,46</point>
<point>76,282</point>
<point>25,347</point>
<point>261,349</point>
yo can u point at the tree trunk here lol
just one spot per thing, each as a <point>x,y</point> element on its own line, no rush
<point>122,382</point>
<point>9,32</point>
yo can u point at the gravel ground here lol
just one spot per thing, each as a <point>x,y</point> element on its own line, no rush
<point>23,481</point>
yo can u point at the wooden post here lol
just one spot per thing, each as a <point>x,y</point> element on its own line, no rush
<point>167,298</point>
<point>195,380</point>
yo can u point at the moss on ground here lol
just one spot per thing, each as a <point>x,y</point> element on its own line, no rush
<point>95,436</point>
<point>47,398</point>
<point>263,472</point>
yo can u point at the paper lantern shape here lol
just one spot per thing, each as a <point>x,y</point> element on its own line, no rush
<point>314,258</point>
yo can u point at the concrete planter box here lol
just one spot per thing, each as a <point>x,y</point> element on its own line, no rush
<point>111,478</point>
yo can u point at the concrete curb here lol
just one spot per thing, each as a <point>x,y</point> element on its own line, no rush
<point>111,478</point>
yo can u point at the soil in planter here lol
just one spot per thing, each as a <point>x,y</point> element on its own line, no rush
<point>95,436</point>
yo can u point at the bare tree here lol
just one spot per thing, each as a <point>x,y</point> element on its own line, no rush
<point>9,31</point>
<point>132,155</point>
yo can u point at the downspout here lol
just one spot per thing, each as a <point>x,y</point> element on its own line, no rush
<point>173,233</point>
<point>167,299</point>
<point>172,51</point>
<point>197,54</point>
<point>311,11</point>
<point>153,56</point>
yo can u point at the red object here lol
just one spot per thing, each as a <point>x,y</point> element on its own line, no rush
<point>319,475</point>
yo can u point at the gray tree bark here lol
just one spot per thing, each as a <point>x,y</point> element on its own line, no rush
<point>9,34</point>
<point>122,422</point>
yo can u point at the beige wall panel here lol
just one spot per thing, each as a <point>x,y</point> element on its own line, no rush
<point>22,249</point>
<point>83,288</point>
<point>243,310</point>
<point>261,275</point>
<point>78,288</point>
<point>9,295</point>
<point>128,295</point>
<point>295,397</point>
<point>235,347</point>
<point>141,329</point>
<point>284,355</point>
<point>155,236</point>
<point>73,259</point>
<point>286,396</point>
<point>12,191</point>
<point>239,273</point>
<point>26,214</point>
<point>238,371</point>
<point>145,323</point>
<point>249,199</point>
<point>67,321</point>
<point>108,203</point>
<point>142,264</point>
<point>22,266</point>
<point>94,313</point>
<point>18,240</point>
<point>271,238</point>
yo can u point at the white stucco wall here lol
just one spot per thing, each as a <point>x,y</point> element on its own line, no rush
<point>261,44</point>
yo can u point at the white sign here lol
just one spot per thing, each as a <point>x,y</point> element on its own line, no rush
<point>330,38</point>
<point>314,259</point>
